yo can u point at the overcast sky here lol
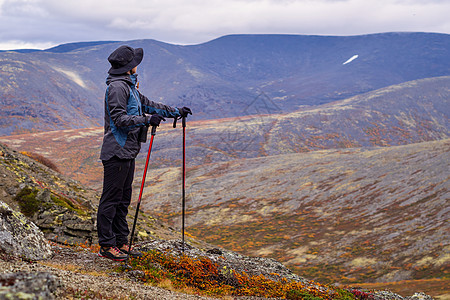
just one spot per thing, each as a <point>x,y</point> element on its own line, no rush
<point>46,23</point>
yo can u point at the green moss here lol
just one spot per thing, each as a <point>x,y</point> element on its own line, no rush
<point>300,295</point>
<point>27,201</point>
<point>63,202</point>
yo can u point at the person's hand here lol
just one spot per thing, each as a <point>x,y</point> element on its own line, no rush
<point>156,119</point>
<point>184,111</point>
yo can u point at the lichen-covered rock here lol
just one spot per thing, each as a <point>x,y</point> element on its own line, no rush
<point>21,237</point>
<point>388,295</point>
<point>63,225</point>
<point>23,285</point>
<point>419,296</point>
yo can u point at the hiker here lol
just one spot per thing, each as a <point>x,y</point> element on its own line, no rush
<point>128,114</point>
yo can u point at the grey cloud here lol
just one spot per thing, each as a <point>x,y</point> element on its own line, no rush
<point>195,21</point>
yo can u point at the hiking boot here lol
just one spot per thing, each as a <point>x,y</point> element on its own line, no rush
<point>112,253</point>
<point>132,253</point>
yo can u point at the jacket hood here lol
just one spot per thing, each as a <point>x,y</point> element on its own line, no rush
<point>130,79</point>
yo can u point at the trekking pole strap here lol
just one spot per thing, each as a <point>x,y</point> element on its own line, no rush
<point>183,121</point>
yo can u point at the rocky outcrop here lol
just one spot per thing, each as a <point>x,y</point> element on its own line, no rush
<point>23,285</point>
<point>20,237</point>
<point>59,206</point>
<point>61,223</point>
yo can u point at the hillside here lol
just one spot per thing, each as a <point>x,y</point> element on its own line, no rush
<point>220,78</point>
<point>69,268</point>
<point>349,215</point>
<point>349,191</point>
<point>352,224</point>
<point>342,215</point>
<point>62,208</point>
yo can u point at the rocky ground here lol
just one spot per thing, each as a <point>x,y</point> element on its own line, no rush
<point>79,273</point>
<point>76,273</point>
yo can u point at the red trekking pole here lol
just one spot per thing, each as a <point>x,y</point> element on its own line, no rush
<point>183,205</point>
<point>184,177</point>
<point>142,189</point>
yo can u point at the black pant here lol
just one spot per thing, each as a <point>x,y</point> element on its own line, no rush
<point>112,226</point>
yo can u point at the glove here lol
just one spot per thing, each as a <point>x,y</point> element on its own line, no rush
<point>184,111</point>
<point>156,119</point>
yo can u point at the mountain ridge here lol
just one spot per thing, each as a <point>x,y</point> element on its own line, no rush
<point>216,79</point>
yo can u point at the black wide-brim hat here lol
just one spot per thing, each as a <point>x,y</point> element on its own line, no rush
<point>124,58</point>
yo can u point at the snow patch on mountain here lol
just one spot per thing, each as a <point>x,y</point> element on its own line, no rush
<point>351,59</point>
<point>72,76</point>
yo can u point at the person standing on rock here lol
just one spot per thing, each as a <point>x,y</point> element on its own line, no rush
<point>128,114</point>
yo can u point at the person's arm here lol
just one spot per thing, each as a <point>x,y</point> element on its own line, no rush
<point>151,107</point>
<point>117,98</point>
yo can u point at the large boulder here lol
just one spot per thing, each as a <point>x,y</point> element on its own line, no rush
<point>22,285</point>
<point>20,237</point>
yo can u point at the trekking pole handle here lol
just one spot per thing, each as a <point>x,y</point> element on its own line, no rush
<point>183,122</point>
<point>153,130</point>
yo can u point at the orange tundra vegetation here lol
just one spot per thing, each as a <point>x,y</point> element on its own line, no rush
<point>41,159</point>
<point>202,276</point>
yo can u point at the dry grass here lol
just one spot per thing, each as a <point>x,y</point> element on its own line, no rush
<point>439,288</point>
<point>73,268</point>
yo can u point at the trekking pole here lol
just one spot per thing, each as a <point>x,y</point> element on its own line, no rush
<point>142,189</point>
<point>184,179</point>
<point>183,205</point>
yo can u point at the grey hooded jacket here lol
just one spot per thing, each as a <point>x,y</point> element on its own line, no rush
<point>124,116</point>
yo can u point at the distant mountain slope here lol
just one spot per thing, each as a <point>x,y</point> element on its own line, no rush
<point>406,113</point>
<point>410,112</point>
<point>75,46</point>
<point>336,215</point>
<point>63,87</point>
